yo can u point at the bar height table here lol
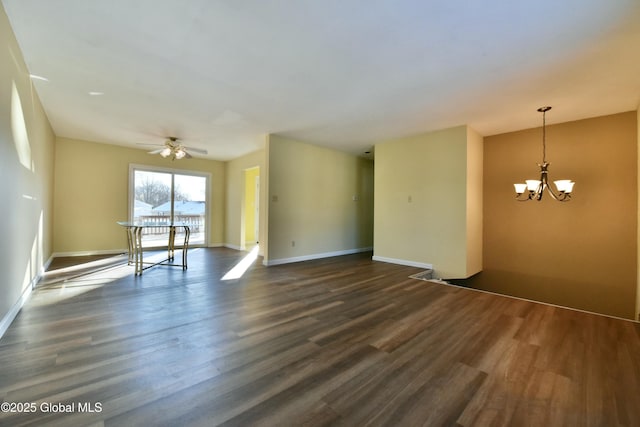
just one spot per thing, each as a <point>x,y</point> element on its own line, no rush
<point>134,240</point>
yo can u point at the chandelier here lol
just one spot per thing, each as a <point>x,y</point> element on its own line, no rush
<point>534,188</point>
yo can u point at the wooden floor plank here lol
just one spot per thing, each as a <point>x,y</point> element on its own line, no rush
<point>340,341</point>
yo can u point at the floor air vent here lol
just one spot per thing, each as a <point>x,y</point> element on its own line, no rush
<point>423,275</point>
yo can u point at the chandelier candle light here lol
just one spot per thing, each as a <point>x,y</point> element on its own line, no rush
<point>534,188</point>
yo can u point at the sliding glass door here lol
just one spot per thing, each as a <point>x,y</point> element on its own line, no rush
<point>163,196</point>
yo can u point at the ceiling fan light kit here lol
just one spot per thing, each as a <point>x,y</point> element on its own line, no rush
<point>533,189</point>
<point>175,151</point>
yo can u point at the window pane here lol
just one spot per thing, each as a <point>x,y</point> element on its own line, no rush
<point>190,205</point>
<point>152,204</point>
<point>152,199</point>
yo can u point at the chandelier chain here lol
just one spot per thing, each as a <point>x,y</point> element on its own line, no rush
<point>544,137</point>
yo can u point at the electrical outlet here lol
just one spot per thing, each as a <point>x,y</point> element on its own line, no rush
<point>409,199</point>
<point>293,243</point>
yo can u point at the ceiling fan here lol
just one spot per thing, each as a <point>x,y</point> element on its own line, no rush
<point>173,149</point>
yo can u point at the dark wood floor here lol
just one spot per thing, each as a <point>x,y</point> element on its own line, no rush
<point>340,341</point>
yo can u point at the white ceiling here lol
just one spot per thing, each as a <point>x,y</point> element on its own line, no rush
<point>340,73</point>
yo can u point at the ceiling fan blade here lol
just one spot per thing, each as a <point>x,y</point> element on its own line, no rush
<point>158,151</point>
<point>195,150</point>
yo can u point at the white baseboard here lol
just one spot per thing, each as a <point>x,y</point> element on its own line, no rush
<point>124,251</point>
<point>8,318</point>
<point>46,266</point>
<point>314,256</point>
<point>90,253</point>
<point>402,262</point>
<point>15,309</point>
<point>230,246</point>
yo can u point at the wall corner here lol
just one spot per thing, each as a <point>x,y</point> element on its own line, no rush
<point>474,203</point>
<point>637,312</point>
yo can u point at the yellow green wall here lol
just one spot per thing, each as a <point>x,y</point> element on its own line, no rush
<point>26,172</point>
<point>428,199</point>
<point>91,194</point>
<point>311,193</point>
<point>249,209</point>
<point>582,253</point>
<point>235,203</point>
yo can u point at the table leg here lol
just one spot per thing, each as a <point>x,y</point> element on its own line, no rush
<point>171,245</point>
<point>185,247</point>
<point>130,243</point>
<point>138,249</point>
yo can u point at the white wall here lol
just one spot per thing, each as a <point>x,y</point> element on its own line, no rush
<point>26,172</point>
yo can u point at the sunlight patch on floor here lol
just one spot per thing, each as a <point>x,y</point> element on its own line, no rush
<point>69,282</point>
<point>241,267</point>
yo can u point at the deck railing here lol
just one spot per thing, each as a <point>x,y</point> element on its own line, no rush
<point>195,222</point>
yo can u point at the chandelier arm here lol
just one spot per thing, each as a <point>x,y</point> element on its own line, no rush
<point>553,194</point>
<point>539,191</point>
<point>560,197</point>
